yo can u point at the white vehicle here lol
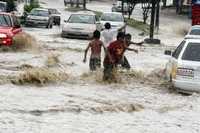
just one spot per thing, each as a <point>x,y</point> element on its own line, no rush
<point>81,25</point>
<point>183,68</point>
<point>194,32</point>
<point>117,7</point>
<point>116,20</point>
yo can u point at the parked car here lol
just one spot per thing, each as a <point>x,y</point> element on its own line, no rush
<point>3,6</point>
<point>39,17</point>
<point>9,27</point>
<point>81,25</point>
<point>116,20</point>
<point>56,16</point>
<point>183,68</point>
<point>117,7</point>
<point>194,32</point>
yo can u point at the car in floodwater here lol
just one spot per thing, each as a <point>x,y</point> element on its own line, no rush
<point>194,32</point>
<point>9,27</point>
<point>81,25</point>
<point>39,17</point>
<point>56,16</point>
<point>183,68</point>
<point>116,20</point>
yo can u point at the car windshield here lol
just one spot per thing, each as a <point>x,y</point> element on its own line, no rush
<point>39,13</point>
<point>5,20</point>
<point>195,32</point>
<point>112,17</point>
<point>2,7</point>
<point>192,52</point>
<point>78,18</point>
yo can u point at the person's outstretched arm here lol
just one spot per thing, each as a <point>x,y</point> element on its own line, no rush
<point>86,51</point>
<point>138,44</point>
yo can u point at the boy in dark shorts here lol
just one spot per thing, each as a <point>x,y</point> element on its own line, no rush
<point>96,44</point>
<point>128,42</point>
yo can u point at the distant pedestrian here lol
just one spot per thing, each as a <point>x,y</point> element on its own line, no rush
<point>95,58</point>
<point>109,34</point>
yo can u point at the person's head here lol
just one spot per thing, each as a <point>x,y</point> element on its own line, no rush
<point>107,26</point>
<point>128,37</point>
<point>120,36</point>
<point>96,34</point>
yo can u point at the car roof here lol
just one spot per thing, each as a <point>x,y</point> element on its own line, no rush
<point>112,13</point>
<point>85,13</point>
<point>5,13</point>
<point>43,9</point>
<point>51,8</point>
<point>193,40</point>
<point>195,26</point>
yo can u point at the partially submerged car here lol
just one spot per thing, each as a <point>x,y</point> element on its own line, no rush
<point>56,16</point>
<point>194,32</point>
<point>81,25</point>
<point>183,68</point>
<point>116,20</point>
<point>39,17</point>
<point>9,27</point>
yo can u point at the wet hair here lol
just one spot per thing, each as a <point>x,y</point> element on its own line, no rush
<point>128,36</point>
<point>120,35</point>
<point>107,25</point>
<point>96,34</point>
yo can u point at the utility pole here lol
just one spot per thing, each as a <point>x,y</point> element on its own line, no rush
<point>158,15</point>
<point>151,39</point>
<point>84,4</point>
<point>123,7</point>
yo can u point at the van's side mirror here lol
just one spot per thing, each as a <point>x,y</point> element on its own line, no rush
<point>65,21</point>
<point>168,52</point>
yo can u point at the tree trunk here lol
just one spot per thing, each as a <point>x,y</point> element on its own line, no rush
<point>152,19</point>
<point>84,4</point>
<point>77,3</point>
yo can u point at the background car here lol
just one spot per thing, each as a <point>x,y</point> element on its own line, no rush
<point>39,17</point>
<point>81,25</point>
<point>194,32</point>
<point>116,20</point>
<point>117,7</point>
<point>56,16</point>
<point>3,6</point>
<point>183,68</point>
<point>9,27</point>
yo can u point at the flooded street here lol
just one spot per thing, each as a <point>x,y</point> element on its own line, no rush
<point>82,103</point>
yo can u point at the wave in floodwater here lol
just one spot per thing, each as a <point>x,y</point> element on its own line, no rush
<point>21,41</point>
